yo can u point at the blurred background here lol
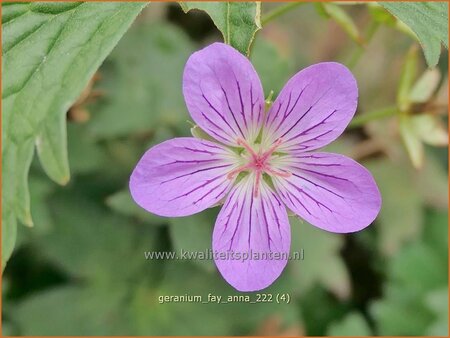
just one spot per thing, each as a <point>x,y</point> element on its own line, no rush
<point>81,270</point>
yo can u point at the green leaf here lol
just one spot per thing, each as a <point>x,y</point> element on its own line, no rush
<point>85,154</point>
<point>51,145</point>
<point>400,314</point>
<point>40,190</point>
<point>401,216</point>
<point>436,231</point>
<point>237,21</point>
<point>73,310</point>
<point>142,77</point>
<point>429,20</point>
<point>50,51</point>
<point>122,203</point>
<point>353,324</point>
<point>9,234</point>
<point>16,161</point>
<point>318,246</point>
<point>413,273</point>
<point>194,234</point>
<point>320,309</point>
<point>416,270</point>
<point>112,245</point>
<point>437,302</point>
<point>418,267</point>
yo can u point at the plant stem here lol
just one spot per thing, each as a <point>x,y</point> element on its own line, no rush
<point>360,120</point>
<point>280,10</point>
<point>370,32</point>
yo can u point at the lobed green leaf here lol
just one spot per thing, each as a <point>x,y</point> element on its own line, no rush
<point>50,51</point>
<point>237,21</point>
<point>429,20</point>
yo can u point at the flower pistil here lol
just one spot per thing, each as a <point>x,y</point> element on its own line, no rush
<point>258,163</point>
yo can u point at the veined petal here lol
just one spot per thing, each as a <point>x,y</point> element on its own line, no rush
<point>313,108</point>
<point>252,226</point>
<point>223,93</point>
<point>330,191</point>
<point>181,177</point>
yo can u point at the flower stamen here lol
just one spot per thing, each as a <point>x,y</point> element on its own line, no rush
<point>247,147</point>
<point>274,172</point>
<point>238,170</point>
<point>258,163</point>
<point>271,149</point>
<point>257,181</point>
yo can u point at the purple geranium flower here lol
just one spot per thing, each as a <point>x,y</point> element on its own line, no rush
<point>261,164</point>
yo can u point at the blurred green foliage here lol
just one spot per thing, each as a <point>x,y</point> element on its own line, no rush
<point>82,270</point>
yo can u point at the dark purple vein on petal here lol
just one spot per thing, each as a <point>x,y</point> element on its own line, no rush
<point>218,113</point>
<point>226,205</point>
<point>242,104</point>
<point>311,156</point>
<point>251,101</point>
<point>321,174</point>
<point>319,186</point>
<point>220,136</point>
<point>212,146</point>
<point>289,194</point>
<point>301,117</point>
<point>304,146</point>
<point>195,172</point>
<point>318,136</point>
<point>238,221</point>
<point>312,198</point>
<point>231,111</point>
<point>271,119</point>
<point>297,122</point>
<point>219,128</point>
<point>199,151</point>
<point>207,182</point>
<point>228,218</point>
<point>277,220</point>
<point>209,192</point>
<point>288,104</point>
<point>191,161</point>
<point>311,128</point>
<point>317,164</point>
<point>285,116</point>
<point>276,198</point>
<point>266,223</point>
<point>250,216</point>
<point>220,193</point>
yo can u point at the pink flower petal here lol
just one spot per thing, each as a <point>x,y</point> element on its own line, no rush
<point>251,225</point>
<point>223,93</point>
<point>181,177</point>
<point>330,191</point>
<point>313,108</point>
